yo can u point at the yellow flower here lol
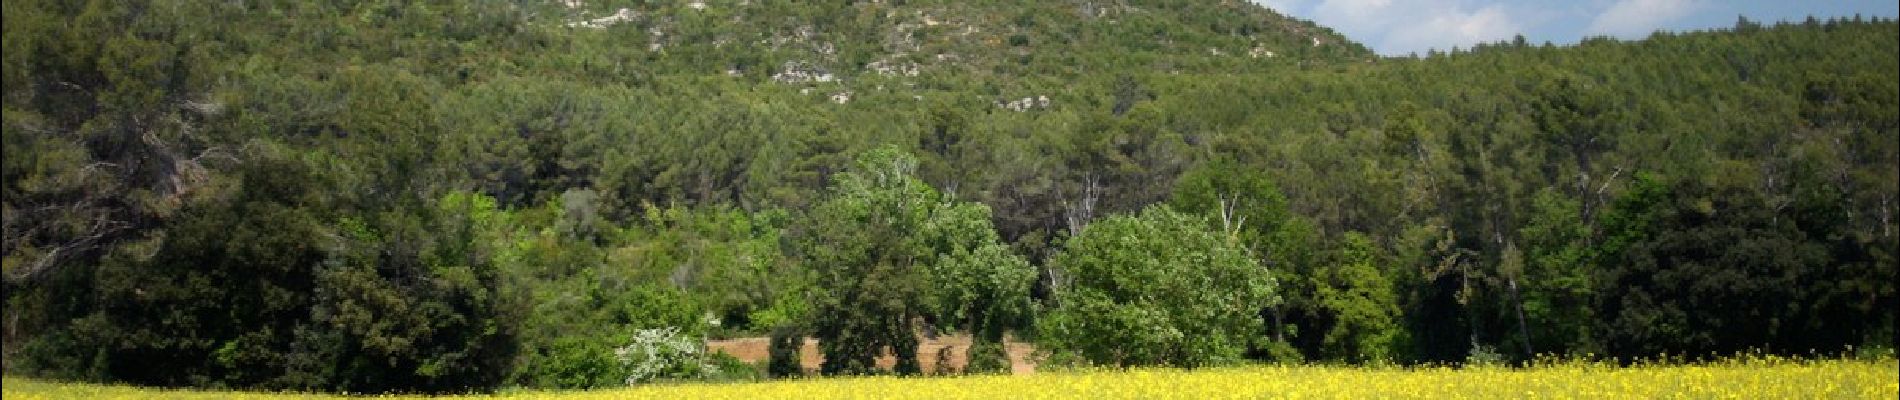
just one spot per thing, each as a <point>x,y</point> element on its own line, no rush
<point>1754,377</point>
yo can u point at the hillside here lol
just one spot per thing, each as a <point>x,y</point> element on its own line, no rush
<point>982,40</point>
<point>442,196</point>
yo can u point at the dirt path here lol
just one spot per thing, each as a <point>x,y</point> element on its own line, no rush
<point>757,349</point>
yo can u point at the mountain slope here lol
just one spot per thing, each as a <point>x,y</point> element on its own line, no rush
<point>976,39</point>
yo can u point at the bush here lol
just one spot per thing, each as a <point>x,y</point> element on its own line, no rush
<point>1060,360</point>
<point>574,363</point>
<point>727,368</point>
<point>1018,40</point>
<point>250,291</point>
<point>1483,356</point>
<point>664,354</point>
<point>1876,352</point>
<point>1159,288</point>
<point>987,357</point>
<point>1279,351</point>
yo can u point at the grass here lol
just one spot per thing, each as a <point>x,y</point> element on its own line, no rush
<point>1765,377</point>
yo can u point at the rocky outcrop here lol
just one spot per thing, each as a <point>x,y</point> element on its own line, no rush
<point>802,72</point>
<point>622,15</point>
<point>1025,104</point>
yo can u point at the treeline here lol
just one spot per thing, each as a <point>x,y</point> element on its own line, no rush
<point>424,196</point>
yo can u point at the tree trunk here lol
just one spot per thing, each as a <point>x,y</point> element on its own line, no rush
<point>1523,328</point>
<point>1279,324</point>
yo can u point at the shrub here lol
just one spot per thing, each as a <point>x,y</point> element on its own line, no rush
<point>1279,351</point>
<point>664,354</point>
<point>727,368</point>
<point>1483,355</point>
<point>987,357</point>
<point>1018,40</point>
<point>1159,288</point>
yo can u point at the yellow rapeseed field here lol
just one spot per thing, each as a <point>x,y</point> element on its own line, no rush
<point>1751,378</point>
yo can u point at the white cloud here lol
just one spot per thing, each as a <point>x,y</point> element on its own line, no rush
<point>1356,9</point>
<point>1397,28</point>
<point>1631,19</point>
<point>1461,29</point>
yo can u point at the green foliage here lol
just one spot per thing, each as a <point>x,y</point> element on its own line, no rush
<point>987,357</point>
<point>977,284</point>
<point>888,250</point>
<point>1484,356</point>
<point>728,260</point>
<point>1157,288</point>
<point>416,298</point>
<point>574,362</point>
<point>726,368</point>
<point>1694,268</point>
<point>576,323</point>
<point>1246,207</point>
<point>663,354</point>
<point>422,196</point>
<point>1362,300</point>
<point>1243,202</point>
<point>285,299</point>
<point>1557,276</point>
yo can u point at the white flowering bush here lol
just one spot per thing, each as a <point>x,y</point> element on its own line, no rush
<point>664,353</point>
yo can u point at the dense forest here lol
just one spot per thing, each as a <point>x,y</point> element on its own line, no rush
<point>444,196</point>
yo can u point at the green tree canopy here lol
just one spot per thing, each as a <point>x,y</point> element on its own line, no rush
<point>1156,288</point>
<point>888,250</point>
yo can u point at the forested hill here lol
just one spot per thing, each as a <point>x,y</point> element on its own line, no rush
<point>974,41</point>
<point>439,196</point>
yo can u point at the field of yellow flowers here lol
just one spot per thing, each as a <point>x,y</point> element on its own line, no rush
<point>1748,378</point>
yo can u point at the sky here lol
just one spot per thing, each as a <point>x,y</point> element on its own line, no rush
<point>1401,27</point>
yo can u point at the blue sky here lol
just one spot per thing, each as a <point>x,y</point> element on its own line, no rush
<point>1399,27</point>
